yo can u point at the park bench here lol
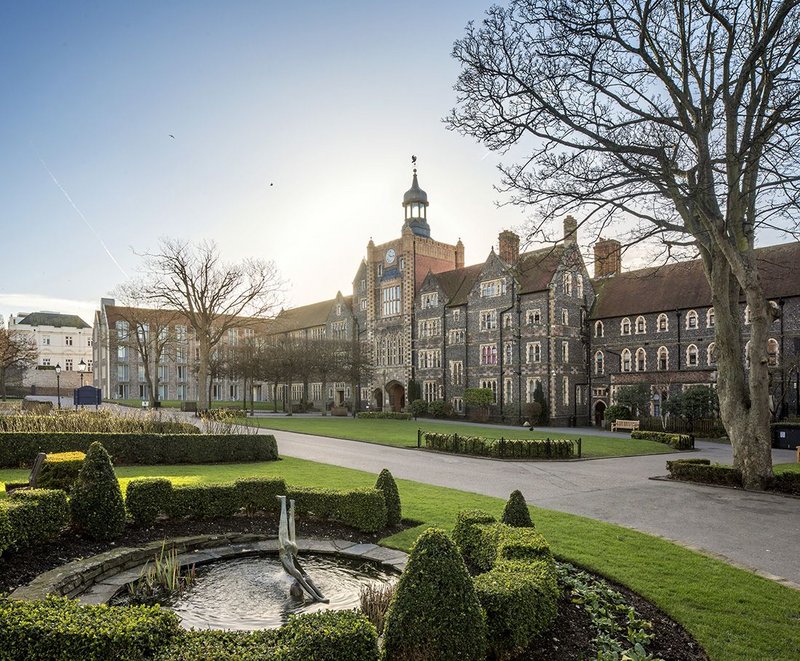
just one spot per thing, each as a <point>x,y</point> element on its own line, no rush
<point>625,425</point>
<point>33,479</point>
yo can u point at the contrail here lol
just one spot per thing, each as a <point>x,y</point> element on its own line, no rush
<point>83,218</point>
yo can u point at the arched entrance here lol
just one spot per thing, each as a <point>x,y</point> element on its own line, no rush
<point>377,395</point>
<point>396,395</point>
<point>599,413</point>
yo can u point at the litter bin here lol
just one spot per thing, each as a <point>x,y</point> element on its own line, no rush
<point>786,437</point>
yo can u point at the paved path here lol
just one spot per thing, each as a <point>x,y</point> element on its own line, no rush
<point>759,531</point>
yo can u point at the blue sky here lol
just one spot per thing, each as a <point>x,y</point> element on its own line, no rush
<point>327,101</point>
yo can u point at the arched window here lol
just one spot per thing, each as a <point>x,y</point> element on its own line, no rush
<point>565,317</point>
<point>625,360</point>
<point>747,354</point>
<point>691,319</point>
<point>711,354</point>
<point>710,318</point>
<point>746,315</point>
<point>579,284</point>
<point>641,325</point>
<point>663,359</point>
<point>599,363</point>
<point>772,352</point>
<point>662,323</point>
<point>641,360</point>
<point>599,329</point>
<point>568,284</point>
<point>691,356</point>
<point>625,326</point>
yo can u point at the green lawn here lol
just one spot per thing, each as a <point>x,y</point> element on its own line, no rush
<point>734,614</point>
<point>176,404</point>
<point>403,433</point>
<point>786,468</point>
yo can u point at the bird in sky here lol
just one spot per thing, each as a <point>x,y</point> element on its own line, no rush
<point>271,184</point>
<point>171,136</point>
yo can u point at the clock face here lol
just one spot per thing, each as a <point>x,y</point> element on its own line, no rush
<point>391,255</point>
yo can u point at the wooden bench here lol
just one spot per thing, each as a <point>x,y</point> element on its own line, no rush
<point>33,479</point>
<point>625,425</point>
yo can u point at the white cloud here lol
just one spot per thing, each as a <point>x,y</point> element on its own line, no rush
<point>15,303</point>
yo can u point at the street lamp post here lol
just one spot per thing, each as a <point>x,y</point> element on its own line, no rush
<point>81,369</point>
<point>58,384</point>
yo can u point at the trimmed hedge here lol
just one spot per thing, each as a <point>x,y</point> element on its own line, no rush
<point>32,517</point>
<point>19,449</point>
<point>383,415</point>
<point>60,470</point>
<point>786,483</point>
<point>96,504</point>
<point>516,512</point>
<point>89,422</point>
<point>502,448</point>
<point>704,472</point>
<point>391,495</point>
<point>363,509</point>
<point>435,613</point>
<point>60,629</point>
<point>677,441</point>
<point>518,587</point>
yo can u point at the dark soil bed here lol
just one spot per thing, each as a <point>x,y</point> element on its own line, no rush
<point>569,640</point>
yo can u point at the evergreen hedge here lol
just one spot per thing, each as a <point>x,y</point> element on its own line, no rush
<point>391,495</point>
<point>435,613</point>
<point>516,512</point>
<point>146,498</point>
<point>60,470</point>
<point>96,504</point>
<point>32,517</point>
<point>362,509</point>
<point>19,449</point>
<point>677,441</point>
<point>502,448</point>
<point>704,472</point>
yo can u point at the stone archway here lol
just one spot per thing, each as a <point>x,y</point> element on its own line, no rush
<point>377,395</point>
<point>599,413</point>
<point>396,394</point>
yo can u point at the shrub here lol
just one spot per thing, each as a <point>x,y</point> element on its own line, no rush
<point>259,494</point>
<point>440,409</point>
<point>203,501</point>
<point>786,483</point>
<point>93,421</point>
<point>19,449</point>
<point>6,529</point>
<point>677,441</point>
<point>328,636</point>
<point>502,448</point>
<point>97,508</point>
<point>362,509</point>
<point>37,516</point>
<point>60,470</point>
<point>60,629</point>
<point>146,498</point>
<point>419,407</point>
<point>435,613</point>
<point>617,412</point>
<point>214,645</point>
<point>467,532</point>
<point>692,460</point>
<point>384,415</point>
<point>516,511</point>
<point>391,496</point>
<point>705,473</point>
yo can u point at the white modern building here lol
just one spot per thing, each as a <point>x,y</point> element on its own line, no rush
<point>62,339</point>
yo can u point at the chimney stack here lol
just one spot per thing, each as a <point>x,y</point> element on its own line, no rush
<point>459,254</point>
<point>508,247</point>
<point>570,231</point>
<point>607,258</point>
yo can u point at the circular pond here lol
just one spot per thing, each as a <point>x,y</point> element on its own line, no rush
<point>252,592</point>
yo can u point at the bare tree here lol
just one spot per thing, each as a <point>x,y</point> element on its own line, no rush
<point>326,362</point>
<point>213,296</point>
<point>17,351</point>
<point>680,118</point>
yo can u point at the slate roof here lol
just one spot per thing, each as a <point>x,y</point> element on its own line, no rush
<point>307,316</point>
<point>54,319</point>
<point>683,285</point>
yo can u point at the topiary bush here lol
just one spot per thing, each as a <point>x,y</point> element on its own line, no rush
<point>435,613</point>
<point>391,495</point>
<point>516,511</point>
<point>61,629</point>
<point>37,516</point>
<point>259,494</point>
<point>418,407</point>
<point>203,501</point>
<point>328,636</point>
<point>363,509</point>
<point>616,412</point>
<point>60,470</point>
<point>96,504</point>
<point>677,441</point>
<point>146,498</point>
<point>467,533</point>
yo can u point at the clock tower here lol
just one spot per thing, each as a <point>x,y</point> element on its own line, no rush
<point>394,271</point>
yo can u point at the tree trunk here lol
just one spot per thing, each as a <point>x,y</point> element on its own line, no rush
<point>743,396</point>
<point>202,373</point>
<point>3,383</point>
<point>324,395</point>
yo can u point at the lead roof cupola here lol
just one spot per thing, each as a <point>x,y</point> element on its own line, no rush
<point>415,207</point>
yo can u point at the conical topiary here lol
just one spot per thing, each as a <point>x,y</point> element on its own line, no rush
<point>516,511</point>
<point>391,495</point>
<point>96,504</point>
<point>435,613</point>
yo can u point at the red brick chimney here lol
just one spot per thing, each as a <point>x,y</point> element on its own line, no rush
<point>508,247</point>
<point>607,258</point>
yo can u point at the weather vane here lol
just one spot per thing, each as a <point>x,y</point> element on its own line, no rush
<point>414,163</point>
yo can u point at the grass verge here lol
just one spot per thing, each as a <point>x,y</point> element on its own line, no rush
<point>403,433</point>
<point>734,614</point>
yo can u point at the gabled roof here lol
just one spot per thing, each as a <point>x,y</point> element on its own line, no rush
<point>305,316</point>
<point>683,285</point>
<point>457,284</point>
<point>54,319</point>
